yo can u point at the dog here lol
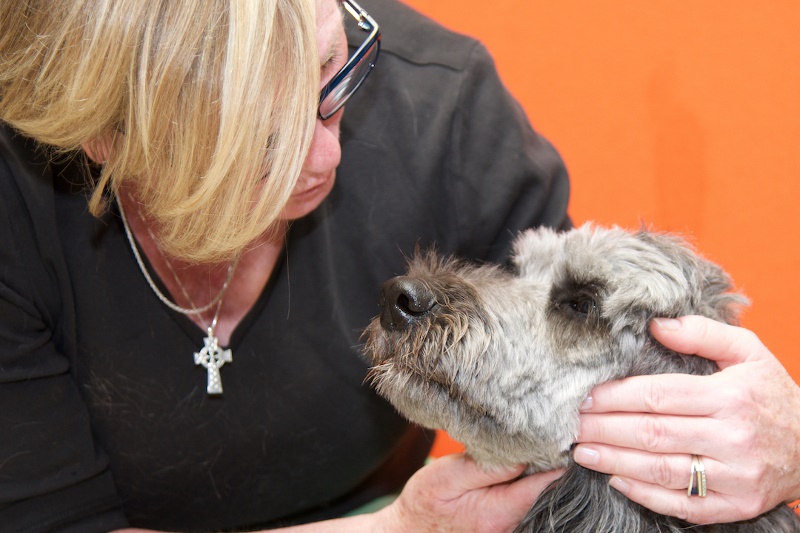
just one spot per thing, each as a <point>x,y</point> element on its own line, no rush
<point>502,357</point>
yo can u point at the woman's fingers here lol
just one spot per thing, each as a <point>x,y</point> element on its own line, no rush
<point>665,433</point>
<point>456,474</point>
<point>453,493</point>
<point>669,470</point>
<point>723,343</point>
<point>662,394</point>
<point>713,508</point>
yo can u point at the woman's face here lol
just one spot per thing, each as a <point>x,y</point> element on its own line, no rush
<point>319,170</point>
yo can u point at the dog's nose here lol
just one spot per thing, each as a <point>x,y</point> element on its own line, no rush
<point>403,301</point>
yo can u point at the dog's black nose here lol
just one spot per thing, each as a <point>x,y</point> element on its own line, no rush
<point>403,301</point>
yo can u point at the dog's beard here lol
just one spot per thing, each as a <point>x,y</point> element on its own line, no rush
<point>520,418</point>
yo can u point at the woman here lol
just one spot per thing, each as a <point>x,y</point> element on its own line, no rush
<point>183,357</point>
<point>204,374</point>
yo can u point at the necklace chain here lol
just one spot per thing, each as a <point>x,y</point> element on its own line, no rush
<point>166,301</point>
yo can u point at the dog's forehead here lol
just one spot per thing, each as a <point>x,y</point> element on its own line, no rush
<point>608,251</point>
<point>544,252</point>
<point>601,256</point>
<point>642,270</point>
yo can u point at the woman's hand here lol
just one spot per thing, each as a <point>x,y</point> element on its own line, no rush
<point>744,422</point>
<point>455,494</point>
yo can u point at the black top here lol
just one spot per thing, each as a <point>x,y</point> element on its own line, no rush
<point>105,421</point>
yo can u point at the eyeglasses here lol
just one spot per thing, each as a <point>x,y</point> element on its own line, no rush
<point>347,81</point>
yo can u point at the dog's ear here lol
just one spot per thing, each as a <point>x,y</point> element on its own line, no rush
<point>711,288</point>
<point>536,251</point>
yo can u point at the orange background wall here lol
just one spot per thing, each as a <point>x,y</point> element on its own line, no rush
<point>682,114</point>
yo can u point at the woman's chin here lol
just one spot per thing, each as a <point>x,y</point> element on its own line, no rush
<point>302,203</point>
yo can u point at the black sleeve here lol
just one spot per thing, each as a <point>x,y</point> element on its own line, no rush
<point>52,477</point>
<point>511,177</point>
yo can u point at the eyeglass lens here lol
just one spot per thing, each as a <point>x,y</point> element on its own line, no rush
<point>349,83</point>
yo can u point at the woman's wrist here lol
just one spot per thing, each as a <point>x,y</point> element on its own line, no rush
<point>382,521</point>
<point>387,520</point>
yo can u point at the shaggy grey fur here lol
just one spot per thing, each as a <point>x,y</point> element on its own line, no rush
<point>503,358</point>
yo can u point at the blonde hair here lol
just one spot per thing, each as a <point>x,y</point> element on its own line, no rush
<point>209,105</point>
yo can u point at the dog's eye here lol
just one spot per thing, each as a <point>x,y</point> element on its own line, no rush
<point>584,306</point>
<point>579,301</point>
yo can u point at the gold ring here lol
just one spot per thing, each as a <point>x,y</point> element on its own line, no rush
<point>697,480</point>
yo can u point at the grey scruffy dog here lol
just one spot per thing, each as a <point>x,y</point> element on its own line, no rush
<point>502,358</point>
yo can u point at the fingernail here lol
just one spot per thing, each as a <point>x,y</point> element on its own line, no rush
<point>619,484</point>
<point>586,405</point>
<point>668,324</point>
<point>586,456</point>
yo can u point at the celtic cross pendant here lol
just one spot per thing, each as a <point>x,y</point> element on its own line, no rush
<point>212,357</point>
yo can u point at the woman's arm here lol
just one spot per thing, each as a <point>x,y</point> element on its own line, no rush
<point>449,494</point>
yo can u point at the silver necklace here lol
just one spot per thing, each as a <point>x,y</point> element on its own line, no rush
<point>211,356</point>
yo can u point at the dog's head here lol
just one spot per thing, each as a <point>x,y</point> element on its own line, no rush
<point>502,358</point>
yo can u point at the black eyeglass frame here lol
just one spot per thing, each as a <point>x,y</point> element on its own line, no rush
<point>365,23</point>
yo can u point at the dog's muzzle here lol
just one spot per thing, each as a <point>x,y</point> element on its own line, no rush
<point>404,301</point>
